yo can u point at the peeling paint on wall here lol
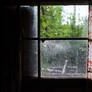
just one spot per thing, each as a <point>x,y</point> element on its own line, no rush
<point>90,22</point>
<point>90,57</point>
<point>90,45</point>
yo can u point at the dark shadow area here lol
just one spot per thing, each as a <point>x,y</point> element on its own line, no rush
<point>10,67</point>
<point>56,85</point>
<point>71,2</point>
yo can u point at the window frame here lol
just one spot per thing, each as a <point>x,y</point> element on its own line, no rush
<point>60,38</point>
<point>39,39</point>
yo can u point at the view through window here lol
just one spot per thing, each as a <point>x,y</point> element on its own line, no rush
<point>63,21</point>
<point>64,58</point>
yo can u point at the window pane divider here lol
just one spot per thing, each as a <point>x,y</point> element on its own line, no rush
<point>64,38</point>
<point>39,63</point>
<point>28,38</point>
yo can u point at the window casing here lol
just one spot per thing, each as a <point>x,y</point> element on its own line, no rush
<point>39,39</point>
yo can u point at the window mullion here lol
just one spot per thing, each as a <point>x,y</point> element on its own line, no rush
<point>39,65</point>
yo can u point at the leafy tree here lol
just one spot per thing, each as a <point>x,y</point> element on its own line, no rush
<point>50,20</point>
<point>51,23</point>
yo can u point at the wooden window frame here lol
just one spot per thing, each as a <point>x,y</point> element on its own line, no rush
<point>74,82</point>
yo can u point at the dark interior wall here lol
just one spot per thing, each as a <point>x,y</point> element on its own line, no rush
<point>45,1</point>
<point>55,85</point>
<point>11,34</point>
<point>55,90</point>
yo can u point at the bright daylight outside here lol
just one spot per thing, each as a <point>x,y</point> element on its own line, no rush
<point>63,58</point>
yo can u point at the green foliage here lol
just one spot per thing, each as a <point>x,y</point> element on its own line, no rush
<point>51,23</point>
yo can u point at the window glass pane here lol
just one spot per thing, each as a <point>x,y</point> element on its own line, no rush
<point>30,58</point>
<point>63,58</point>
<point>64,21</point>
<point>29,17</point>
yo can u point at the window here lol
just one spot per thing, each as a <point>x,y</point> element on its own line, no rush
<point>64,58</point>
<point>56,42</point>
<point>29,27</point>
